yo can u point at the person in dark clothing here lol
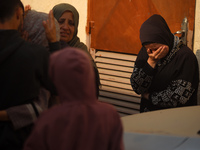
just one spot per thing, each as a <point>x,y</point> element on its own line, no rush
<point>23,70</point>
<point>80,122</point>
<point>22,115</point>
<point>166,71</point>
<point>68,19</point>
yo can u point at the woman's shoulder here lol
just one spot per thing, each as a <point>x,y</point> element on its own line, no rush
<point>186,55</point>
<point>82,46</point>
<point>186,52</point>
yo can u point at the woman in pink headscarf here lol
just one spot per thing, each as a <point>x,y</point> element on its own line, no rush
<point>80,121</point>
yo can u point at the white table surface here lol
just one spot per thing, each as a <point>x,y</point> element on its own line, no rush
<point>169,129</point>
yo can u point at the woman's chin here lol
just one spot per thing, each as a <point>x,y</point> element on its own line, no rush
<point>64,39</point>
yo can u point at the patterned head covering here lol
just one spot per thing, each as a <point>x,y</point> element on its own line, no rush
<point>156,30</point>
<point>36,32</point>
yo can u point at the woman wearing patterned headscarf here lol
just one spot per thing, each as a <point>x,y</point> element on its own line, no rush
<point>68,19</point>
<point>33,24</point>
<point>166,71</point>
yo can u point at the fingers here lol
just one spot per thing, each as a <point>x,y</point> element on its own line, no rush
<point>154,54</point>
<point>45,25</point>
<point>159,53</point>
<point>25,35</point>
<point>163,52</point>
<point>50,28</point>
<point>27,7</point>
<point>51,22</point>
<point>51,16</point>
<point>149,51</point>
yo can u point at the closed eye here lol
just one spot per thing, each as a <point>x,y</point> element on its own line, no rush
<point>61,21</point>
<point>71,23</point>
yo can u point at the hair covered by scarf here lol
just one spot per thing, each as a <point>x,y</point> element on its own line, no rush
<point>156,30</point>
<point>58,10</point>
<point>36,32</point>
<point>81,121</point>
<point>72,73</point>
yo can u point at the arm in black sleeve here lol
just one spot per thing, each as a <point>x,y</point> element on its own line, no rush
<point>180,90</point>
<point>54,47</point>
<point>143,73</point>
<point>43,73</point>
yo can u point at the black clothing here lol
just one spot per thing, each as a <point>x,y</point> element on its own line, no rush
<point>23,70</point>
<point>174,80</point>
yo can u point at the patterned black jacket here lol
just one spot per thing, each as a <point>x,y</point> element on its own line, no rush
<point>172,83</point>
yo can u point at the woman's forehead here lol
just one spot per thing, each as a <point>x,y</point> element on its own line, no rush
<point>153,45</point>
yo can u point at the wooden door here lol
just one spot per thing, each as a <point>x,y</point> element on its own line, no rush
<point>114,24</point>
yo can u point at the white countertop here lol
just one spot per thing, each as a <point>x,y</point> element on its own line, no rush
<point>184,121</point>
<point>169,129</point>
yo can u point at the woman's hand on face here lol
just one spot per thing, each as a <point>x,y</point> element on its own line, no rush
<point>156,55</point>
<point>24,35</point>
<point>50,28</point>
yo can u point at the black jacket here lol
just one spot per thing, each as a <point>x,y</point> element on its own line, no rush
<point>23,70</point>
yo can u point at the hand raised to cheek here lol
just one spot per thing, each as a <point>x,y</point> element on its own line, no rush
<point>156,55</point>
<point>50,28</point>
<point>156,52</point>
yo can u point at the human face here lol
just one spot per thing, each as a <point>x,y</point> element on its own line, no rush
<point>157,51</point>
<point>66,22</point>
<point>155,46</point>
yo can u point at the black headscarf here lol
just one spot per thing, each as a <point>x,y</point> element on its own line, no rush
<point>156,30</point>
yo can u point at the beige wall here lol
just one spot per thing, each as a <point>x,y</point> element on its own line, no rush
<point>47,5</point>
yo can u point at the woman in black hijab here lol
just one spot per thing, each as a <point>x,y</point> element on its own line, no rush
<point>166,71</point>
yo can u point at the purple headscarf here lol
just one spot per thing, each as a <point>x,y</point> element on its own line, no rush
<point>80,122</point>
